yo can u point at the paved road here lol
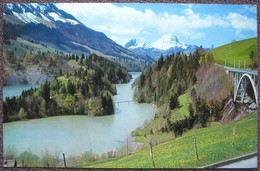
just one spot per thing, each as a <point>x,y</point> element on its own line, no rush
<point>248,163</point>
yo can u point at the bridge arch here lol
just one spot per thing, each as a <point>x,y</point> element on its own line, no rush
<point>252,83</point>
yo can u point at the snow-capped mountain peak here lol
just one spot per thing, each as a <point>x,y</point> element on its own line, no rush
<point>39,13</point>
<point>168,41</point>
<point>167,44</point>
<point>136,43</point>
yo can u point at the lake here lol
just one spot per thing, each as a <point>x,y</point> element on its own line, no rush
<point>75,135</point>
<point>10,91</point>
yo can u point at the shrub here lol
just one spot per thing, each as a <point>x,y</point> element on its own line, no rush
<point>29,159</point>
<point>10,153</point>
<point>88,157</point>
<point>48,160</point>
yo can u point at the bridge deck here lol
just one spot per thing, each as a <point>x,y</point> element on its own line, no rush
<point>251,72</point>
<point>126,101</point>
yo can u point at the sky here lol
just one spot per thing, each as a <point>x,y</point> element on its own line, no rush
<point>195,24</point>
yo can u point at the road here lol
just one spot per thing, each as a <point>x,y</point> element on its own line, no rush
<point>248,163</point>
<point>245,161</point>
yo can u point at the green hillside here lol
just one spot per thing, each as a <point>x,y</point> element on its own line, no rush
<point>183,111</point>
<point>176,114</point>
<point>239,50</point>
<point>214,144</point>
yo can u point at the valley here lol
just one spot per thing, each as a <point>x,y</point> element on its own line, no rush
<point>113,128</point>
<point>75,98</point>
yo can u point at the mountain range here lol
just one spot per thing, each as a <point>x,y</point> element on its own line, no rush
<point>165,45</point>
<point>44,22</point>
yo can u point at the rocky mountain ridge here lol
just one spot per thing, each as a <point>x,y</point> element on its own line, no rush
<point>46,23</point>
<point>165,45</point>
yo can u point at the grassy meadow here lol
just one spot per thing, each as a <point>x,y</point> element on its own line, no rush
<point>238,50</point>
<point>213,143</point>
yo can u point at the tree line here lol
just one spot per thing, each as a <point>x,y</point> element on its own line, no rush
<point>165,81</point>
<point>167,77</point>
<point>87,90</point>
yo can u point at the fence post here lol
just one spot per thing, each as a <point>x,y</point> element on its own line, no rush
<point>64,160</point>
<point>233,140</point>
<point>151,153</point>
<point>195,145</point>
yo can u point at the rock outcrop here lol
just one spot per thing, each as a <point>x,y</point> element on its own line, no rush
<point>29,76</point>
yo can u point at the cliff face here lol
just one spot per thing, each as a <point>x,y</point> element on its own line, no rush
<point>34,73</point>
<point>31,76</point>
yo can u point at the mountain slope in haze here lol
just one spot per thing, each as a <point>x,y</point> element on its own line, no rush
<point>235,52</point>
<point>46,23</point>
<point>166,45</point>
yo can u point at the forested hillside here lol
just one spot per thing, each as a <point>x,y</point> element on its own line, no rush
<point>86,90</point>
<point>188,90</point>
<point>167,78</point>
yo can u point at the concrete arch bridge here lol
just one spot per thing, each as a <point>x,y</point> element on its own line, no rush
<point>242,79</point>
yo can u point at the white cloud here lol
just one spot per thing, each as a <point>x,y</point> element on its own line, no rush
<point>193,35</point>
<point>239,34</point>
<point>241,22</point>
<point>121,22</point>
<point>144,32</point>
<point>217,21</point>
<point>250,8</point>
<point>122,41</point>
<point>188,11</point>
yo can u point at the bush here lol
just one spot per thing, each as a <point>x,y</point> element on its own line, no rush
<point>48,160</point>
<point>123,151</point>
<point>88,157</point>
<point>22,114</point>
<point>29,159</point>
<point>10,153</point>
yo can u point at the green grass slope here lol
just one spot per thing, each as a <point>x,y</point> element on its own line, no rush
<point>239,50</point>
<point>213,143</point>
<point>183,111</point>
<point>176,114</point>
<point>21,46</point>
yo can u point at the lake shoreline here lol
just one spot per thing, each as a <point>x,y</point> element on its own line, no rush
<point>75,134</point>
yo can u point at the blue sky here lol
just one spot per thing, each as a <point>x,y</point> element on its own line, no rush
<point>195,24</point>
